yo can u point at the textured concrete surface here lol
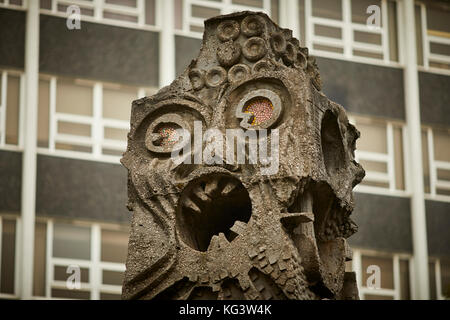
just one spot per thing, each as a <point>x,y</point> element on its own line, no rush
<point>228,231</point>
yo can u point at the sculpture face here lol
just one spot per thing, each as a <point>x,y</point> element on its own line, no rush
<point>221,231</point>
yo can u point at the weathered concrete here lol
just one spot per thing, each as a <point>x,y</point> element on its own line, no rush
<point>227,231</point>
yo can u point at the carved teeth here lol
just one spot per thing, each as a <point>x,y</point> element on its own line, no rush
<point>188,203</point>
<point>201,194</point>
<point>211,187</point>
<point>229,187</point>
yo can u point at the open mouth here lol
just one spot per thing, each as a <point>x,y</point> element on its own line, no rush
<point>209,205</point>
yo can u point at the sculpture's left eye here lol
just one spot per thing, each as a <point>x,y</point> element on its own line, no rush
<point>166,133</point>
<point>259,109</point>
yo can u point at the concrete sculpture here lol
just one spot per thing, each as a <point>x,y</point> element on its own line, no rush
<point>228,230</point>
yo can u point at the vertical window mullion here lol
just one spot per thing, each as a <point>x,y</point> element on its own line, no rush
<point>347,28</point>
<point>3,108</point>
<point>1,237</point>
<point>97,124</point>
<point>18,256</point>
<point>437,268</point>
<point>390,151</point>
<point>396,270</point>
<point>308,25</point>
<point>52,111</point>
<point>406,159</point>
<point>95,271</point>
<point>21,111</point>
<point>141,12</point>
<point>384,31</point>
<point>425,44</point>
<point>431,162</point>
<point>49,262</point>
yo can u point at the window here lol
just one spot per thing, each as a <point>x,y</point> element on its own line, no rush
<point>8,240</point>
<point>439,270</point>
<point>338,28</point>
<point>393,271</point>
<point>436,161</point>
<point>14,4</point>
<point>380,152</point>
<point>98,251</point>
<point>11,89</point>
<point>190,14</point>
<point>433,32</point>
<point>80,118</point>
<point>138,13</point>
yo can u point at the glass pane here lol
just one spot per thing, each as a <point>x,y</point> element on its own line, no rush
<point>71,294</point>
<point>377,297</point>
<point>46,4</point>
<point>8,256</point>
<point>71,147</point>
<point>12,110</point>
<point>73,98</point>
<point>325,31</point>
<point>367,37</point>
<point>398,159</point>
<point>404,280</point>
<point>60,274</point>
<point>77,129</point>
<point>178,14</point>
<point>114,246</point>
<point>366,182</point>
<point>127,3</point>
<point>112,277</point>
<point>109,296</point>
<point>117,103</point>
<point>386,270</point>
<point>40,241</point>
<point>43,113</point>
<point>204,12</point>
<point>331,9</point>
<point>445,278</point>
<point>426,166</point>
<point>437,19</point>
<point>301,14</point>
<point>366,54</point>
<point>359,10</point>
<point>274,10</point>
<point>392,24</point>
<point>441,145</point>
<point>150,12</point>
<point>115,134</point>
<point>71,241</point>
<point>112,152</point>
<point>249,3</point>
<point>432,274</point>
<point>418,20</point>
<point>327,48</point>
<point>84,11</point>
<point>440,48</point>
<point>374,166</point>
<point>373,137</point>
<point>119,16</point>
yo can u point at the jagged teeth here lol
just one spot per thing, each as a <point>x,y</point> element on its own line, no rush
<point>229,187</point>
<point>211,187</point>
<point>201,194</point>
<point>188,203</point>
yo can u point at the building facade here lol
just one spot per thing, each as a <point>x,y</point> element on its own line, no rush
<point>65,99</point>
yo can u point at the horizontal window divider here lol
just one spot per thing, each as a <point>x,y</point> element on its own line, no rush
<point>327,22</point>
<point>73,118</point>
<point>196,21</point>
<point>376,176</point>
<point>79,155</point>
<point>438,58</point>
<point>328,41</point>
<point>116,124</point>
<point>441,40</point>
<point>442,184</point>
<point>80,3</point>
<point>378,292</point>
<point>63,285</point>
<point>108,288</point>
<point>114,144</point>
<point>382,191</point>
<point>121,9</point>
<point>62,262</point>
<point>437,197</point>
<point>205,3</point>
<point>375,48</point>
<point>73,139</point>
<point>112,266</point>
<point>445,165</point>
<point>372,156</point>
<point>364,28</point>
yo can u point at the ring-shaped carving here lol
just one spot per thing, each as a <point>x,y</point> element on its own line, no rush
<point>290,54</point>
<point>252,26</point>
<point>228,30</point>
<point>254,49</point>
<point>152,137</point>
<point>215,77</point>
<point>262,66</point>
<point>228,53</point>
<point>197,79</point>
<point>238,72</point>
<point>246,117</point>
<point>278,42</point>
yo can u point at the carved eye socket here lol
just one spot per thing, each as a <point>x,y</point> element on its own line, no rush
<point>165,132</point>
<point>259,109</point>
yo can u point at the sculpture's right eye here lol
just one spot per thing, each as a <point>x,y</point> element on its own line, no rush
<point>167,133</point>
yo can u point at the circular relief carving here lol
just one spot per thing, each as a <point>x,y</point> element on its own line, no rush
<point>215,77</point>
<point>278,43</point>
<point>301,61</point>
<point>290,55</point>
<point>228,53</point>
<point>197,79</point>
<point>238,72</point>
<point>262,66</point>
<point>164,133</point>
<point>259,109</point>
<point>228,30</point>
<point>252,26</point>
<point>254,49</point>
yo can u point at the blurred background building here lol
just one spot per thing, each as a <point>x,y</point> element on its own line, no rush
<point>65,98</point>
